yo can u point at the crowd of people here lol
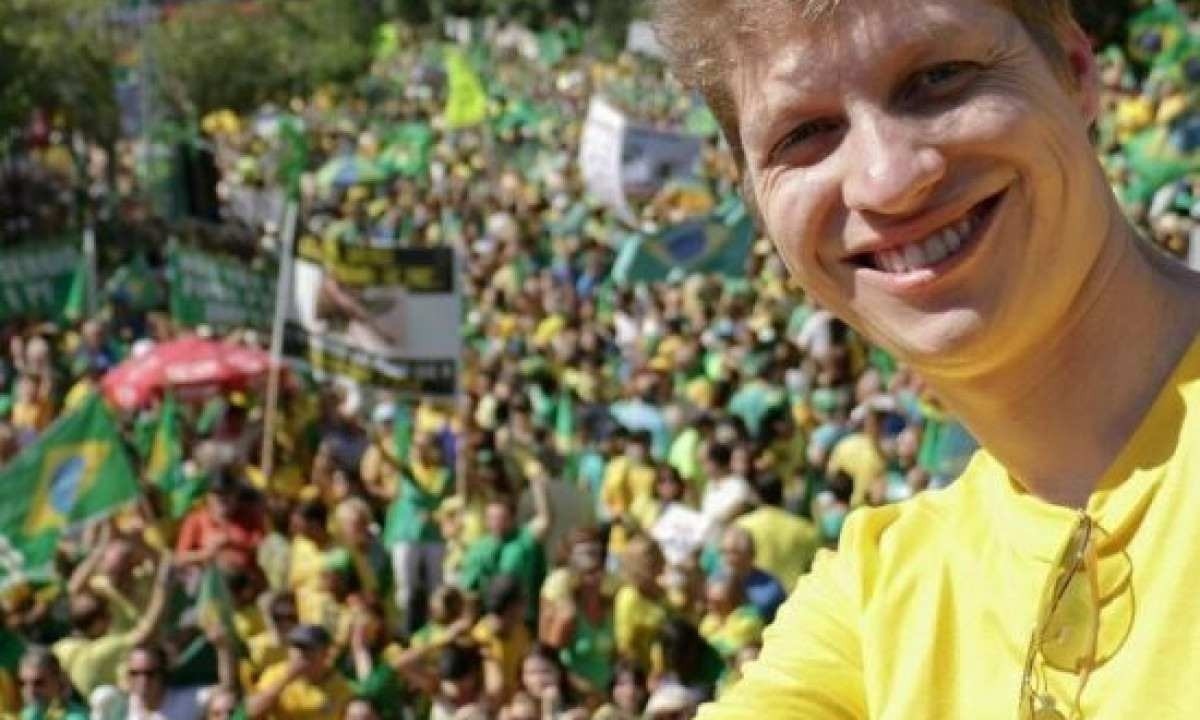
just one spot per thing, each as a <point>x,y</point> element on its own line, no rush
<point>600,524</point>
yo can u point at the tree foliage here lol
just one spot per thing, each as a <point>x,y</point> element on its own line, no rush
<point>57,56</point>
<point>211,56</point>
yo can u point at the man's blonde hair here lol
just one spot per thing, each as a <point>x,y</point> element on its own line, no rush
<point>700,35</point>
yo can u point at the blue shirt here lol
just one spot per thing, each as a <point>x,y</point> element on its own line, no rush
<point>765,593</point>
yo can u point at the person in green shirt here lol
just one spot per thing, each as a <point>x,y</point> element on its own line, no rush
<point>45,691</point>
<point>509,549</point>
<point>410,531</point>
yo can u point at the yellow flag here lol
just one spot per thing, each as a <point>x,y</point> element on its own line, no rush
<point>466,101</point>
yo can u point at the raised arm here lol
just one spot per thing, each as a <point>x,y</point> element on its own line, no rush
<point>151,620</point>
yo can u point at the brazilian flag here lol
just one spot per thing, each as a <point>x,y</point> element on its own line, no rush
<point>214,603</point>
<point>164,467</point>
<point>77,471</point>
<point>466,101</point>
<point>719,244</point>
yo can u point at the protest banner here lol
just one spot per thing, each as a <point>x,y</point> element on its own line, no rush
<point>383,317</point>
<point>36,281</point>
<point>600,157</point>
<point>219,292</point>
<point>621,161</point>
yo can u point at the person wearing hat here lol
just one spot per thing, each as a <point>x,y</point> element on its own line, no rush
<point>926,170</point>
<point>304,687</point>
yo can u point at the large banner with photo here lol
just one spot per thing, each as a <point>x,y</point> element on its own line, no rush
<point>384,317</point>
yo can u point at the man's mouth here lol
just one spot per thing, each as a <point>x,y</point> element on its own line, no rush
<point>937,248</point>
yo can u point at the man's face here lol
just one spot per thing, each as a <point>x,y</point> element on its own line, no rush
<point>926,174</point>
<point>738,557</point>
<point>499,519</point>
<point>39,687</point>
<point>146,675</point>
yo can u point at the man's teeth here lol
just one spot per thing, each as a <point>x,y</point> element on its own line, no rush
<point>925,253</point>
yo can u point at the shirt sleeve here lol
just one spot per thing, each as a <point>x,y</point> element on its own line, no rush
<point>811,663</point>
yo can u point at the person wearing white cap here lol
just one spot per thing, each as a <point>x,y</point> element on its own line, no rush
<point>671,701</point>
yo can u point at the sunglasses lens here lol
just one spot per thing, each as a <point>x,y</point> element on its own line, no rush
<point>1069,635</point>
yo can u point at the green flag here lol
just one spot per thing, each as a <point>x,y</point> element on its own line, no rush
<point>295,154</point>
<point>408,150</point>
<point>466,101</point>
<point>214,604</point>
<point>77,471</point>
<point>75,307</point>
<point>164,467</point>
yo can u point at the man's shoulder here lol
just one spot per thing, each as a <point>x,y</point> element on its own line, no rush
<point>273,674</point>
<point>930,523</point>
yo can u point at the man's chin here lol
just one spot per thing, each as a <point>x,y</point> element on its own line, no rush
<point>947,339</point>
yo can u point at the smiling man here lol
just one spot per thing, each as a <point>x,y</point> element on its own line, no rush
<point>924,169</point>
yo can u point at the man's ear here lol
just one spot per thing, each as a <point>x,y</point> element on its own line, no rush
<point>1082,70</point>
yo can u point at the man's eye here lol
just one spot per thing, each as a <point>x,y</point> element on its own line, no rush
<point>809,131</point>
<point>940,79</point>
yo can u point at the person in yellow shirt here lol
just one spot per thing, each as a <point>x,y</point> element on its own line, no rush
<point>304,687</point>
<point>503,638</point>
<point>640,607</point>
<point>269,647</point>
<point>731,623</point>
<point>784,544</point>
<point>926,171</point>
<point>861,454</point>
<point>311,539</point>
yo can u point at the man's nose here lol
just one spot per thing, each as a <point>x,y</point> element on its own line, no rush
<point>890,170</point>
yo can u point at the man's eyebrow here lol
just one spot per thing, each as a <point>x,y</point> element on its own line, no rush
<point>790,80</point>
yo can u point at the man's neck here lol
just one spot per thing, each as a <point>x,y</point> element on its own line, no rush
<point>1058,419</point>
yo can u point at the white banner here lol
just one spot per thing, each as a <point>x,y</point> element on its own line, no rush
<point>600,156</point>
<point>620,160</point>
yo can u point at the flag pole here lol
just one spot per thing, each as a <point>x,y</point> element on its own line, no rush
<point>91,294</point>
<point>283,291</point>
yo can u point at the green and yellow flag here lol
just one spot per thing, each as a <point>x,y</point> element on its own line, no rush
<point>466,100</point>
<point>77,471</point>
<point>214,603</point>
<point>164,467</point>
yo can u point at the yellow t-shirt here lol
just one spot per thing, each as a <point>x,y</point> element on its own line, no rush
<point>10,695</point>
<point>625,483</point>
<point>92,663</point>
<point>302,700</point>
<point>926,610</point>
<point>784,545</point>
<point>857,456</point>
<point>307,560</point>
<point>637,622</point>
<point>729,634</point>
<point>507,651</point>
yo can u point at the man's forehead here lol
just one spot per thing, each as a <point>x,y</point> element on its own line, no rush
<point>794,56</point>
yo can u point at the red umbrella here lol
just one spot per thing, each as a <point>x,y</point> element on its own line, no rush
<point>193,368</point>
